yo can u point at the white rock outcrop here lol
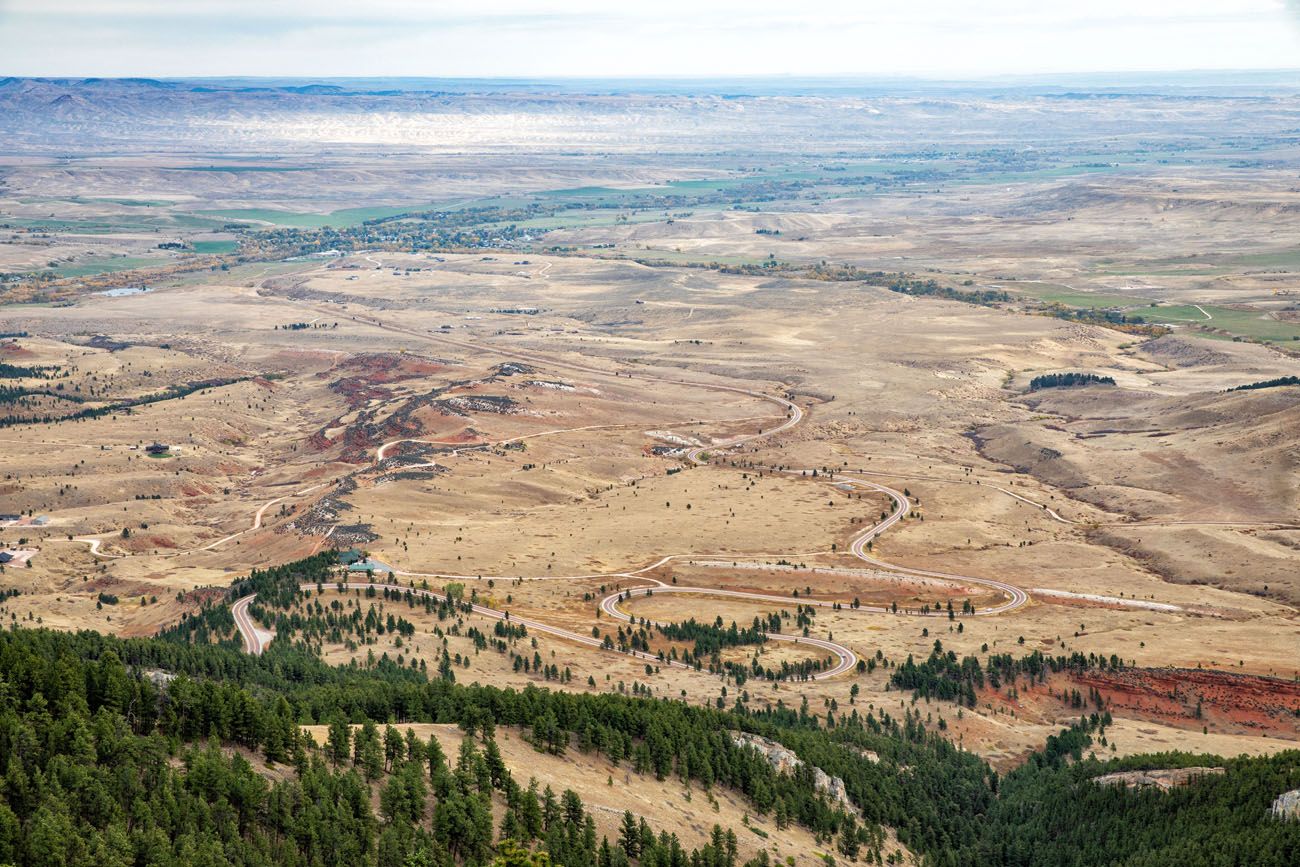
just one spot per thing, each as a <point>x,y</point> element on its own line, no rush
<point>786,762</point>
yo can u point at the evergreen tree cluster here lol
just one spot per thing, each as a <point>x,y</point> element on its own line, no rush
<point>1068,380</point>
<point>709,639</point>
<point>931,288</point>
<point>1279,382</point>
<point>145,751</point>
<point>944,677</point>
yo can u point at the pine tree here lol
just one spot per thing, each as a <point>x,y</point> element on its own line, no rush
<point>340,734</point>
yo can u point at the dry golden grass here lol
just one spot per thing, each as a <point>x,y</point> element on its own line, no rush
<point>607,792</point>
<point>891,384</point>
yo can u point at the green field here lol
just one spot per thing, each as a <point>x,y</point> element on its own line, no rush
<point>489,202</point>
<point>1251,323</point>
<point>1288,260</point>
<point>1171,313</point>
<point>134,203</point>
<point>581,219</point>
<point>139,222</point>
<point>249,271</point>
<point>1044,173</point>
<point>85,227</point>
<point>1206,266</point>
<point>847,173</point>
<point>103,200</point>
<point>104,266</point>
<point>1199,270</point>
<point>192,221</point>
<point>688,258</point>
<point>590,192</point>
<point>302,220</point>
<point>215,246</point>
<point>1053,293</point>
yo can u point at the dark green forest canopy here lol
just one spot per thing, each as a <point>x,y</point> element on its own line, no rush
<point>1068,380</point>
<point>109,755</point>
<point>1269,383</point>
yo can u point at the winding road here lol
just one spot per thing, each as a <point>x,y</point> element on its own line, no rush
<point>256,639</point>
<point>257,517</point>
<point>841,659</point>
<point>95,542</point>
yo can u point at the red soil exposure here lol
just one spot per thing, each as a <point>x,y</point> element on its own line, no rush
<point>14,350</point>
<point>370,371</point>
<point>1261,705</point>
<point>464,436</point>
<point>358,391</point>
<point>380,367</point>
<point>412,448</point>
<point>318,441</point>
<point>360,438</point>
<point>206,594</point>
<point>139,543</point>
<point>359,441</point>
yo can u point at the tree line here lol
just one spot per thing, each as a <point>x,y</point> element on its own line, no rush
<point>138,751</point>
<point>1268,383</point>
<point>1068,380</point>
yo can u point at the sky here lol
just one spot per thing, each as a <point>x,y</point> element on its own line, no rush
<point>630,38</point>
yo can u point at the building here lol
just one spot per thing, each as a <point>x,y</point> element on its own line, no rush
<point>372,566</point>
<point>350,556</point>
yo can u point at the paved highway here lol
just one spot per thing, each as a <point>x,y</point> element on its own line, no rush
<point>256,641</point>
<point>845,657</point>
<point>902,507</point>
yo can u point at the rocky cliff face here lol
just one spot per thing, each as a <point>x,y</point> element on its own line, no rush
<point>786,762</point>
<point>1287,806</point>
<point>1163,779</point>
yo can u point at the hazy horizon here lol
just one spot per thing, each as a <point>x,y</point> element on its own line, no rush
<point>929,39</point>
<point>757,84</point>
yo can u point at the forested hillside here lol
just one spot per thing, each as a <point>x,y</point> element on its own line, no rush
<point>123,752</point>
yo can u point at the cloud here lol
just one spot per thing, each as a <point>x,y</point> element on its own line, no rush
<point>665,37</point>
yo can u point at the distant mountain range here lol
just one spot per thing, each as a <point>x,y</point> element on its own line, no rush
<point>1174,83</point>
<point>101,115</point>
